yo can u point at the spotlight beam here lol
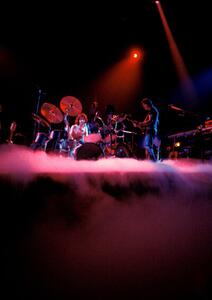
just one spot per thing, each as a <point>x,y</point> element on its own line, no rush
<point>181,69</point>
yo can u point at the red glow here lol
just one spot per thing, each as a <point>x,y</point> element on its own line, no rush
<point>120,84</point>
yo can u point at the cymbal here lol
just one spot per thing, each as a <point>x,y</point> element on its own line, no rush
<point>40,120</point>
<point>71,106</point>
<point>51,113</point>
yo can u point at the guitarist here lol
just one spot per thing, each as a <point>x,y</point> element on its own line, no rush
<point>150,125</point>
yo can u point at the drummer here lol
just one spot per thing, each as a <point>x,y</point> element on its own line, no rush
<point>80,129</point>
<point>109,121</point>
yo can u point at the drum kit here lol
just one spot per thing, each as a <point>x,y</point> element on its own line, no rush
<point>111,140</point>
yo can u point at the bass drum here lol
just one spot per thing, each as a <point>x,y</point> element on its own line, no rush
<point>88,151</point>
<point>122,151</point>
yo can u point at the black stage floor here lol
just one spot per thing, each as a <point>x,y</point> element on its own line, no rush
<point>106,229</point>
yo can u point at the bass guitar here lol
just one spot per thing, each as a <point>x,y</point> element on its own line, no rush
<point>139,125</point>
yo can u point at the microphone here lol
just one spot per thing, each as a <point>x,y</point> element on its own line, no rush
<point>40,89</point>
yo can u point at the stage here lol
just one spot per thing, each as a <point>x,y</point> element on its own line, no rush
<point>108,228</point>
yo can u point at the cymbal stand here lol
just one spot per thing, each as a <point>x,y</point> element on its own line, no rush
<point>37,125</point>
<point>67,126</point>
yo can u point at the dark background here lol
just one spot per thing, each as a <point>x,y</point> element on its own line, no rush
<point>61,49</point>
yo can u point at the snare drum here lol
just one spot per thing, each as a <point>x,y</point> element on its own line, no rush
<point>93,138</point>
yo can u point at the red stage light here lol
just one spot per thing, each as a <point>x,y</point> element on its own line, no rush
<point>136,55</point>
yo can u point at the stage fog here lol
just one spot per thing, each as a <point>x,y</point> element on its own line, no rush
<point>112,228</point>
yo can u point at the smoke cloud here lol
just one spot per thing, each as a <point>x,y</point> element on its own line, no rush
<point>118,228</point>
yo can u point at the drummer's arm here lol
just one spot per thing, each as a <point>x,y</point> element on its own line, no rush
<point>72,132</point>
<point>82,140</point>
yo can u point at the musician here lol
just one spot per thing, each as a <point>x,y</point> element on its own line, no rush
<point>80,129</point>
<point>150,125</point>
<point>7,126</point>
<point>109,117</point>
<point>93,117</point>
<point>106,124</point>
